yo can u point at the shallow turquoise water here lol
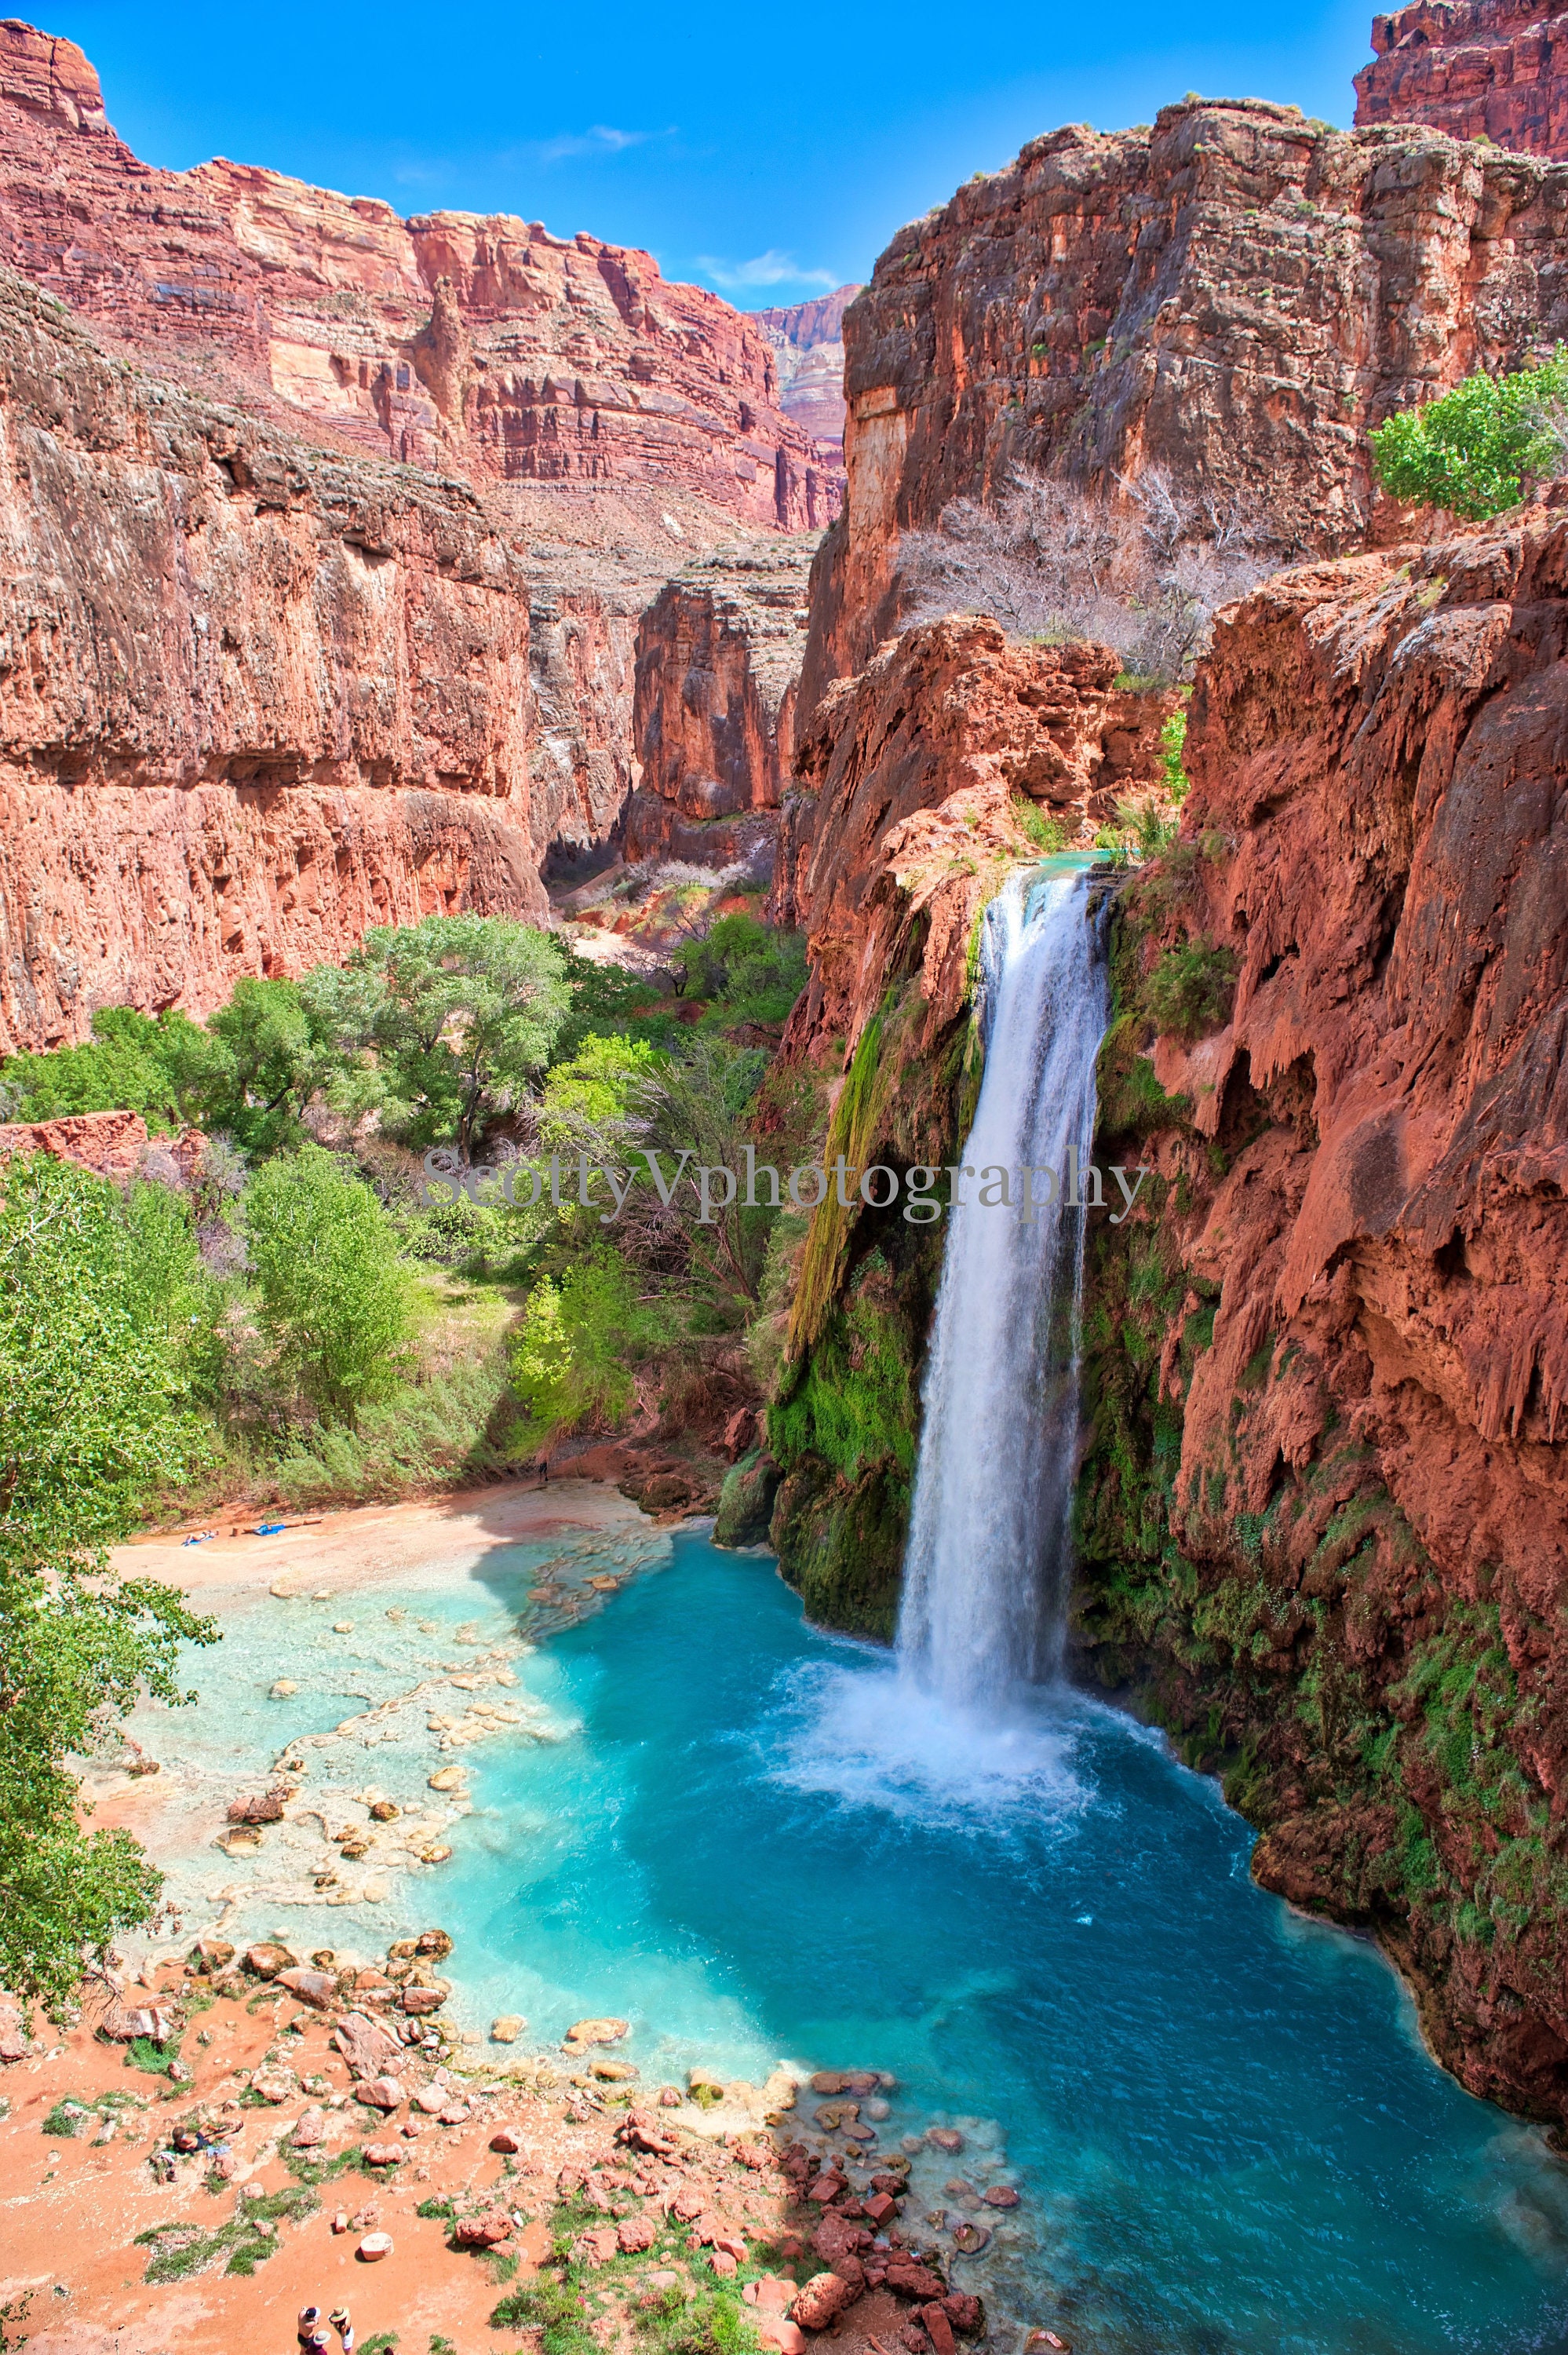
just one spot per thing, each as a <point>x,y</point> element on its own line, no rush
<point>752,1844</point>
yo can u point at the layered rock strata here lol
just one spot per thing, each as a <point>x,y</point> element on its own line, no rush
<point>254,696</point>
<point>1494,69</point>
<point>1324,1520</point>
<point>809,339</point>
<point>1236,296</point>
<point>718,660</point>
<point>451,340</point>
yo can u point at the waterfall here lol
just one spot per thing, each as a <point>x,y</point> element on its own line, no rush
<point>985,1576</point>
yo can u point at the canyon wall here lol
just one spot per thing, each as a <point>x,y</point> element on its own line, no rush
<point>481,344</point>
<point>1495,69</point>
<point>718,659</point>
<point>1236,296</point>
<point>253,696</point>
<point>1324,1518</point>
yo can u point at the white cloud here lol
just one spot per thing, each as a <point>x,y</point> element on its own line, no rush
<point>769,269</point>
<point>599,139</point>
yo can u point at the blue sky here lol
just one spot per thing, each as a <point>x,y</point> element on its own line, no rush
<point>771,154</point>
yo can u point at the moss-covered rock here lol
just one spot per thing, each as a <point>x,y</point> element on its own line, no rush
<point>841,1544</point>
<point>746,1501</point>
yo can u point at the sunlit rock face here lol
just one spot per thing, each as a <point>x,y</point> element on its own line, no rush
<point>1236,296</point>
<point>480,344</point>
<point>1494,69</point>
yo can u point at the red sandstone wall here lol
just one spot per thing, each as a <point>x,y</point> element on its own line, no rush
<point>1493,69</point>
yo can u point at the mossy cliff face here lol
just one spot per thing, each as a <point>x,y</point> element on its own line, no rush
<point>1323,1518</point>
<point>920,785</point>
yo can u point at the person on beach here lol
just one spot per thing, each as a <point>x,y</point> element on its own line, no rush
<point>341,2324</point>
<point>315,2339</point>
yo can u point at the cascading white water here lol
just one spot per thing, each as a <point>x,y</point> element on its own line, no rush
<point>985,1574</point>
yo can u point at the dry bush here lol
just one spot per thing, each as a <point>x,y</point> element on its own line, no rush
<point>1145,575</point>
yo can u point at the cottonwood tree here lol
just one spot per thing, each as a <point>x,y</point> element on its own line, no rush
<point>462,1012</point>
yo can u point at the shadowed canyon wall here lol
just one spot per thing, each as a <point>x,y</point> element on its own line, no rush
<point>1494,69</point>
<point>1236,295</point>
<point>718,657</point>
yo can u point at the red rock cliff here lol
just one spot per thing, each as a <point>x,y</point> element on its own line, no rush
<point>718,657</point>
<point>1347,1295</point>
<point>451,339</point>
<point>1236,295</point>
<point>253,697</point>
<point>1493,69</point>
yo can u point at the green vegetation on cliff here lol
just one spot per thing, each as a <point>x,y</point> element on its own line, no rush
<point>1473,450</point>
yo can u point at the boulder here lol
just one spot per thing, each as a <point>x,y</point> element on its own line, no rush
<point>274,2085</point>
<point>318,1988</point>
<point>486,2232</point>
<point>633,2234</point>
<point>266,1959</point>
<point>420,2001</point>
<point>777,2330</point>
<point>912,2280</point>
<point>374,2246</point>
<point>1000,2195</point>
<point>309,2129</point>
<point>507,2028</point>
<point>508,2140</point>
<point>211,1954</point>
<point>967,2314</point>
<point>772,2294</point>
<point>939,2329</point>
<point>379,2093</point>
<point>383,2154</point>
<point>943,2138</point>
<point>596,2031</point>
<point>612,2073</point>
<point>746,1501</point>
<point>436,1944</point>
<point>821,2300</point>
<point>430,2099</point>
<point>263,1807</point>
<point>365,2044</point>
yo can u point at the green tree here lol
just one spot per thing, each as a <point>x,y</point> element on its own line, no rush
<point>167,1070</point>
<point>469,1009</point>
<point>333,1294</point>
<point>285,1041</point>
<point>94,1417</point>
<point>1473,450</point>
<point>578,1340</point>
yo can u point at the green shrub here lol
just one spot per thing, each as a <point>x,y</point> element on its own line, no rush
<point>753,971</point>
<point>579,1340</point>
<point>1047,835</point>
<point>165,1069</point>
<point>1472,450</point>
<point>1173,744</point>
<point>1190,990</point>
<point>333,1294</point>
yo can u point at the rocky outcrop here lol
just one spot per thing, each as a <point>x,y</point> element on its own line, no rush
<point>915,784</point>
<point>718,658</point>
<point>1494,69</point>
<point>481,343</point>
<point>807,338</point>
<point>1324,1520</point>
<point>1236,295</point>
<point>253,697</point>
